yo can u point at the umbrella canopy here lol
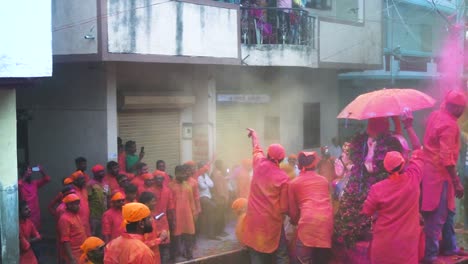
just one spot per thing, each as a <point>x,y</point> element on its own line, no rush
<point>386,102</point>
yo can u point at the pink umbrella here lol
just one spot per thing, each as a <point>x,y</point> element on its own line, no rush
<point>386,102</point>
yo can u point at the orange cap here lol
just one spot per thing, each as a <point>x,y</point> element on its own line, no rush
<point>190,163</point>
<point>292,156</point>
<point>134,212</point>
<point>68,181</point>
<point>97,168</point>
<point>392,160</point>
<point>147,176</point>
<point>91,243</point>
<point>76,175</point>
<point>314,162</point>
<point>118,196</point>
<point>70,198</point>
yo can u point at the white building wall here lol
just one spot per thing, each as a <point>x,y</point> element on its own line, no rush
<point>72,21</point>
<point>172,28</point>
<point>357,43</point>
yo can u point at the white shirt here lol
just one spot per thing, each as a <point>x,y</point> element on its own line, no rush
<point>204,185</point>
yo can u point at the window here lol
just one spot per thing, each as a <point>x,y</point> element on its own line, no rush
<point>319,4</point>
<point>426,37</point>
<point>272,130</point>
<point>311,125</point>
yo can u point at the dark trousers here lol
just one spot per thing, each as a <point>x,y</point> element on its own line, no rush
<point>164,251</point>
<point>280,255</point>
<point>221,204</point>
<point>311,255</point>
<point>184,245</point>
<point>207,218</point>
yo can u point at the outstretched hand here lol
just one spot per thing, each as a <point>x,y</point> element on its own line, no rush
<point>407,118</point>
<point>251,132</point>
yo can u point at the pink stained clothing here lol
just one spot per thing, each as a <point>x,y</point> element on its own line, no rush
<point>71,230</point>
<point>28,193</point>
<point>122,160</point>
<point>441,147</point>
<point>396,235</point>
<point>268,201</point>
<point>84,209</point>
<point>138,182</point>
<point>164,203</point>
<point>112,223</point>
<point>27,230</point>
<point>310,206</point>
<point>193,183</point>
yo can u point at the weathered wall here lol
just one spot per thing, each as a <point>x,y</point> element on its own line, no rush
<point>360,43</point>
<point>71,22</point>
<point>70,119</point>
<point>172,28</point>
<point>26,49</point>
<point>8,180</point>
<point>279,55</point>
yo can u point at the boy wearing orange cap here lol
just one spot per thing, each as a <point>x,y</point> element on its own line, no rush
<point>311,210</point>
<point>112,218</point>
<point>93,251</point>
<point>79,183</point>
<point>98,192</point>
<point>268,202</point>
<point>27,234</point>
<point>71,229</point>
<point>129,248</point>
<point>441,184</point>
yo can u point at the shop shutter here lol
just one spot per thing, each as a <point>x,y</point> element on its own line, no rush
<point>157,131</point>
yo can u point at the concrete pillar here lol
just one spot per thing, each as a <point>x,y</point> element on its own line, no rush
<point>204,115</point>
<point>8,178</point>
<point>111,110</point>
<point>186,150</point>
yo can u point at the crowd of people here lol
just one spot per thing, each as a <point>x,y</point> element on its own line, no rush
<point>295,209</point>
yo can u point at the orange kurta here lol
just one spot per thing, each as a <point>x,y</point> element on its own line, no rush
<point>84,209</point>
<point>396,201</point>
<point>128,249</point>
<point>164,203</point>
<point>196,193</point>
<point>441,147</point>
<point>184,208</point>
<point>167,179</point>
<point>267,203</point>
<point>27,230</point>
<point>112,182</point>
<point>138,182</point>
<point>152,241</point>
<point>310,207</point>
<point>72,230</point>
<point>112,223</point>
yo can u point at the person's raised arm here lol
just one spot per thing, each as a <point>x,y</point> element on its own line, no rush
<point>256,148</point>
<point>407,120</point>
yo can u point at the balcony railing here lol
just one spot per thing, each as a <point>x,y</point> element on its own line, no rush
<point>267,25</point>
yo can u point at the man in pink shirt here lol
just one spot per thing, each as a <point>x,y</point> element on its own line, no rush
<point>440,184</point>
<point>28,192</point>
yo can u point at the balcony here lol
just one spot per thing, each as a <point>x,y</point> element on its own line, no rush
<point>278,36</point>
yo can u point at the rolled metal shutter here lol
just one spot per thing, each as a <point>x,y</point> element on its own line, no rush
<point>157,131</point>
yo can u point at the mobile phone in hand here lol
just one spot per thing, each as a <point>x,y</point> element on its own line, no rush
<point>142,149</point>
<point>35,168</point>
<point>159,216</point>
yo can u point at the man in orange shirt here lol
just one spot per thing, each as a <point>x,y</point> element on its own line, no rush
<point>82,165</point>
<point>161,168</point>
<point>80,190</point>
<point>164,204</point>
<point>129,248</point>
<point>111,176</point>
<point>441,184</point>
<point>185,213</point>
<point>112,218</point>
<point>28,234</point>
<point>268,201</point>
<point>71,229</point>
<point>141,169</point>
<point>131,192</point>
<point>311,210</point>
<point>148,184</point>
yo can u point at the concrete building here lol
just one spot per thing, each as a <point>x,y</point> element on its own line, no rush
<point>185,78</point>
<point>414,33</point>
<point>20,64</point>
